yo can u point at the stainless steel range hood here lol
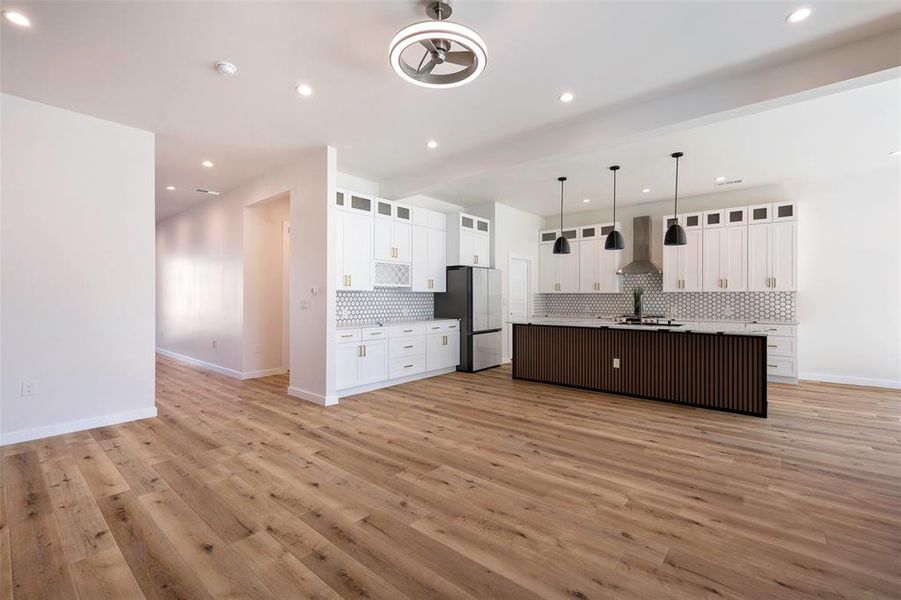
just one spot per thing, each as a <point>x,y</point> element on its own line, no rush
<point>641,249</point>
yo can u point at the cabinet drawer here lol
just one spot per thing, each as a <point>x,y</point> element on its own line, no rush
<point>406,346</point>
<point>780,346</point>
<point>442,326</point>
<point>347,335</point>
<point>374,333</point>
<point>786,330</point>
<point>405,366</point>
<point>783,367</point>
<point>406,329</point>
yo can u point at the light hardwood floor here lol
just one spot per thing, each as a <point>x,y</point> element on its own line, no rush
<point>461,486</point>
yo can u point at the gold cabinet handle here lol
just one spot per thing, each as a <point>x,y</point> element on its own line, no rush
<point>364,350</point>
<point>727,283</point>
<point>774,281</point>
<point>359,350</point>
<point>350,280</point>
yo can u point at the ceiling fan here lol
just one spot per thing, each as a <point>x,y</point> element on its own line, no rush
<point>438,53</point>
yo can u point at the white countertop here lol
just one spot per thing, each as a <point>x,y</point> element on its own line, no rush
<point>386,323</point>
<point>608,323</point>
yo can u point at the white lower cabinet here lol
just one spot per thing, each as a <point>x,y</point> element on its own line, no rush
<point>375,355</point>
<point>442,351</point>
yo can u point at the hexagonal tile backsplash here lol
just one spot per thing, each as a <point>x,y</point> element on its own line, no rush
<point>774,306</point>
<point>384,305</point>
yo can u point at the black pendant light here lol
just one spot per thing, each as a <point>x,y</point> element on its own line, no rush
<point>675,235</point>
<point>614,238</point>
<point>561,245</point>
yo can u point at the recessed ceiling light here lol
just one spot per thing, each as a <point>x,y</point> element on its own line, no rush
<point>226,68</point>
<point>895,153</point>
<point>16,18</point>
<point>799,15</point>
<point>304,90</point>
<point>646,191</point>
<point>720,179</point>
<point>432,144</point>
<point>566,97</point>
<point>208,164</point>
<point>586,200</point>
<point>171,188</point>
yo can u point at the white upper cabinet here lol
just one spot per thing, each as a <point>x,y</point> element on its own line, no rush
<point>683,266</point>
<point>429,252</point>
<point>468,240</point>
<point>597,267</point>
<point>393,232</point>
<point>773,249</point>
<point>353,231</point>
<point>725,259</point>
<point>559,272</point>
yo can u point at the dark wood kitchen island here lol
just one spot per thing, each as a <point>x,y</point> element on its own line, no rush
<point>720,371</point>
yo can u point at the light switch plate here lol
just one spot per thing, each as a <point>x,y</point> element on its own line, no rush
<point>615,363</point>
<point>28,388</point>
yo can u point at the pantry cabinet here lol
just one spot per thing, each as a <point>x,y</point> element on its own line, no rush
<point>353,231</point>
<point>558,272</point>
<point>468,240</point>
<point>597,266</point>
<point>393,232</point>
<point>772,256</point>
<point>683,266</point>
<point>429,273</point>
<point>725,260</point>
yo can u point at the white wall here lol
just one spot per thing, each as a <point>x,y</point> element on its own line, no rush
<point>77,271</point>
<point>200,269</point>
<point>207,245</point>
<point>849,299</point>
<point>265,325</point>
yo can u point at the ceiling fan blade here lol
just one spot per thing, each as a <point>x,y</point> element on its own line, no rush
<point>429,46</point>
<point>427,68</point>
<point>464,58</point>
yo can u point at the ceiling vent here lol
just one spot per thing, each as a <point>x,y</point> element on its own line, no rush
<point>729,182</point>
<point>210,192</point>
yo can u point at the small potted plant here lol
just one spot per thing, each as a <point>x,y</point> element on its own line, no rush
<point>637,296</point>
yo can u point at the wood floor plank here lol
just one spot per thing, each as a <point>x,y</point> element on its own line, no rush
<point>38,558</point>
<point>464,485</point>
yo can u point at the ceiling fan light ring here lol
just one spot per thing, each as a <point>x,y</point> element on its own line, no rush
<point>431,30</point>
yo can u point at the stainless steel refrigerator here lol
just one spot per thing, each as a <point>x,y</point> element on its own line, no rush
<point>474,296</point>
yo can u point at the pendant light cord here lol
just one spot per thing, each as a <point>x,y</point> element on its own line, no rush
<point>676,199</point>
<point>561,209</point>
<point>614,199</point>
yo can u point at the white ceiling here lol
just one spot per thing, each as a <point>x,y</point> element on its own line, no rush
<point>840,134</point>
<point>149,65</point>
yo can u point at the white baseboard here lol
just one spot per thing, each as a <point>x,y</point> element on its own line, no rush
<point>862,381</point>
<point>313,397</point>
<point>220,369</point>
<point>263,373</point>
<point>370,387</point>
<point>36,433</point>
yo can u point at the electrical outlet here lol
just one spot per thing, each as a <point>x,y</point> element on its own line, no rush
<point>28,388</point>
<point>615,363</point>
<point>259,349</point>
<point>214,343</point>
